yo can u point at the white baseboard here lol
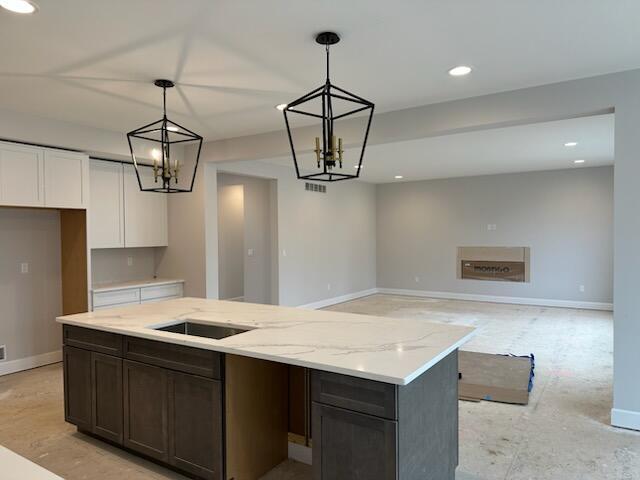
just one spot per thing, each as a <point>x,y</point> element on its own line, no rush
<point>625,419</point>
<point>235,299</point>
<point>13,366</point>
<point>543,302</point>
<point>300,453</point>
<point>341,299</point>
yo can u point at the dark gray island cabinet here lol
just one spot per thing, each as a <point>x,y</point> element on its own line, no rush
<point>218,416</point>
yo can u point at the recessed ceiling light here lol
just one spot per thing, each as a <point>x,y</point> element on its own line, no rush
<point>281,107</point>
<point>19,6</point>
<point>398,177</point>
<point>460,71</point>
<point>571,144</point>
<point>171,128</point>
<point>578,161</point>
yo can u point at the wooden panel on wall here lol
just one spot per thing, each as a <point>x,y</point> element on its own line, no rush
<point>256,415</point>
<point>73,234</point>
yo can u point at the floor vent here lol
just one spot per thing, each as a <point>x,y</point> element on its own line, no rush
<point>315,187</point>
<point>3,350</point>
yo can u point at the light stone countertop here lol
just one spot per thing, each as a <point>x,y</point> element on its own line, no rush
<point>152,282</point>
<point>15,467</point>
<point>377,348</point>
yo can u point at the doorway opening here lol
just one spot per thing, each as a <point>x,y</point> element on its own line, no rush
<point>247,239</point>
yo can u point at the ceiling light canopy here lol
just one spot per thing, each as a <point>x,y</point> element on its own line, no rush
<point>165,155</point>
<point>336,110</point>
<point>19,6</point>
<point>281,106</point>
<point>460,71</point>
<point>571,144</point>
<point>398,177</point>
<point>578,161</point>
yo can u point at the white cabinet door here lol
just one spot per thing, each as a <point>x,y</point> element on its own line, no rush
<point>106,213</point>
<point>21,175</point>
<point>66,179</point>
<point>145,213</point>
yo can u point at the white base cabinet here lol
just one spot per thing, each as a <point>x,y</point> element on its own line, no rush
<point>134,295</point>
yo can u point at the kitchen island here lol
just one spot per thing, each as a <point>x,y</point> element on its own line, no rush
<point>202,386</point>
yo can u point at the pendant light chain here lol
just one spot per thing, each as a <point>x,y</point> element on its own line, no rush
<point>327,49</point>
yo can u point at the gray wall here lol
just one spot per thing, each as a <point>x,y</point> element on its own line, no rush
<point>230,239</point>
<point>31,301</point>
<point>110,265</point>
<point>257,221</point>
<point>186,256</point>
<point>619,92</point>
<point>326,241</point>
<point>565,216</point>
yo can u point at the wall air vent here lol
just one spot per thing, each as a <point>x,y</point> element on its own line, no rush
<point>315,187</point>
<point>3,353</point>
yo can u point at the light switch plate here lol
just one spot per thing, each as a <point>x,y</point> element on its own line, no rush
<point>24,267</point>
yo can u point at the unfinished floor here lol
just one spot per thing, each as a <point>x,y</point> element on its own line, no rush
<point>563,433</point>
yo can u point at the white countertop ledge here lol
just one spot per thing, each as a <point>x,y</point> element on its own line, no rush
<point>152,282</point>
<point>389,350</point>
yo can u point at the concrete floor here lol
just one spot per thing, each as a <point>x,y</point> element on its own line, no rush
<point>563,433</point>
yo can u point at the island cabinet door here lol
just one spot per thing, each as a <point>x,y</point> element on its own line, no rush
<point>195,425</point>
<point>146,409</point>
<point>77,387</point>
<point>107,410</point>
<point>353,446</point>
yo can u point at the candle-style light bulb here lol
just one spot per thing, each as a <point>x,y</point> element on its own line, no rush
<point>317,150</point>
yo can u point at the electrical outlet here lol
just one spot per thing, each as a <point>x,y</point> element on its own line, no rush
<point>417,279</point>
<point>328,286</point>
<point>24,267</point>
<point>250,252</point>
<point>284,252</point>
<point>491,226</point>
<point>129,261</point>
<point>581,288</point>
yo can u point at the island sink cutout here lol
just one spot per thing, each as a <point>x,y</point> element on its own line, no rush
<point>216,332</point>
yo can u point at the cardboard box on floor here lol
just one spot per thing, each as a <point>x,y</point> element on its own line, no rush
<point>496,378</point>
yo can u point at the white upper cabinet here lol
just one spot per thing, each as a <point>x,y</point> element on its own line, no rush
<point>43,177</point>
<point>66,176</point>
<point>21,175</point>
<point>121,215</point>
<point>107,205</point>
<point>145,213</point>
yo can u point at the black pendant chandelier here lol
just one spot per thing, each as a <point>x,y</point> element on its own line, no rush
<point>331,105</point>
<point>165,154</point>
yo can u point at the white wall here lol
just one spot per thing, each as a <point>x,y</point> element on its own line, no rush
<point>31,301</point>
<point>565,216</point>
<point>230,239</point>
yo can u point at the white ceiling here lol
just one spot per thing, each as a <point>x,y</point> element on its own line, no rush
<point>92,63</point>
<point>538,146</point>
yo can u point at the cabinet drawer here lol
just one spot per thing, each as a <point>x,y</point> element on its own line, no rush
<point>116,297</point>
<point>95,340</point>
<point>157,292</point>
<point>175,357</point>
<point>356,394</point>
